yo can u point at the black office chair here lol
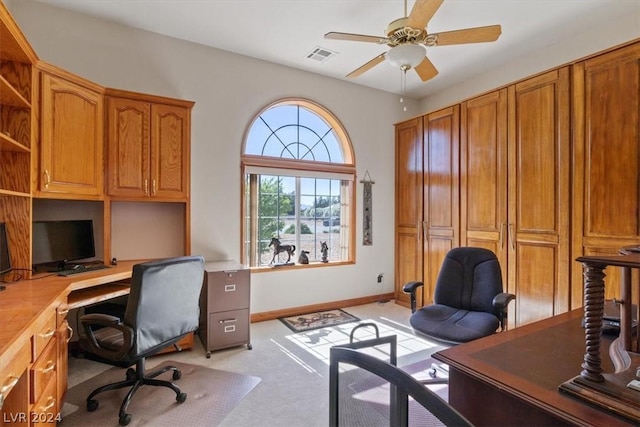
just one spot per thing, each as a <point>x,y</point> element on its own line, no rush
<point>468,298</point>
<point>161,309</point>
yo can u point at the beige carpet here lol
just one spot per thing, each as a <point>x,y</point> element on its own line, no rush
<point>211,396</point>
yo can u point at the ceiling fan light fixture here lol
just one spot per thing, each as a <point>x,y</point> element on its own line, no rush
<point>406,56</point>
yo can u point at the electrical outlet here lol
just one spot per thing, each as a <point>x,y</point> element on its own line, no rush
<point>380,276</point>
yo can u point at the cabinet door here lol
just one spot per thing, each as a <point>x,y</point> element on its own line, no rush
<point>441,212</point>
<point>71,157</point>
<point>606,105</point>
<point>408,253</point>
<point>539,172</point>
<point>483,174</point>
<point>128,147</point>
<point>170,141</point>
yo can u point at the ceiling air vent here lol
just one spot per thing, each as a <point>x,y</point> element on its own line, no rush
<point>320,54</point>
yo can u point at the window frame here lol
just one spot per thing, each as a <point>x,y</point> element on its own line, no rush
<point>347,168</point>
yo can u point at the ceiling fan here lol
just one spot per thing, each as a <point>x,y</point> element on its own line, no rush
<point>408,36</point>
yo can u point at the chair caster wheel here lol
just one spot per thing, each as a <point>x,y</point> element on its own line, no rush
<point>131,374</point>
<point>125,419</point>
<point>177,375</point>
<point>92,405</point>
<point>208,355</point>
<point>249,347</point>
<point>181,397</point>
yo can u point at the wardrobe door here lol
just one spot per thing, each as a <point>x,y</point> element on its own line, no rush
<point>408,203</point>
<point>606,105</point>
<point>441,208</point>
<point>538,219</point>
<point>483,174</point>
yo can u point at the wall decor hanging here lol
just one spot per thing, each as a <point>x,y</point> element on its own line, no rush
<point>367,210</point>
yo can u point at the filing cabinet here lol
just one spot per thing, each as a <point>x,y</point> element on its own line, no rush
<point>224,306</point>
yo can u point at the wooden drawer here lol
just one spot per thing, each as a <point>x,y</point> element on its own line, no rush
<point>45,411</point>
<point>43,336</point>
<point>12,370</point>
<point>228,329</point>
<point>44,371</point>
<point>228,290</point>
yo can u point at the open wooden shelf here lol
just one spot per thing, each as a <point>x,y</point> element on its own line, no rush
<point>10,96</point>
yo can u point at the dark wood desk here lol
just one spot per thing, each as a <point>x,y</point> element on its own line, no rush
<point>512,378</point>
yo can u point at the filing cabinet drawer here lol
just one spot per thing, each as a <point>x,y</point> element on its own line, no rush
<point>228,329</point>
<point>44,336</point>
<point>44,371</point>
<point>228,290</point>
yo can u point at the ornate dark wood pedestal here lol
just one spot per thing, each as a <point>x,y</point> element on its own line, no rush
<point>608,390</point>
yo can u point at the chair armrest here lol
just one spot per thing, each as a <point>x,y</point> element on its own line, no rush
<point>410,288</point>
<point>501,301</point>
<point>98,319</point>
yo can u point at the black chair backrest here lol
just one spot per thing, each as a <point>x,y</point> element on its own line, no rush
<point>469,279</point>
<point>164,300</point>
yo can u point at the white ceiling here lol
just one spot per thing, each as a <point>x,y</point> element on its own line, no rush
<point>285,31</point>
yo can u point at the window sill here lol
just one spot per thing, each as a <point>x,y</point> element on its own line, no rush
<point>299,266</point>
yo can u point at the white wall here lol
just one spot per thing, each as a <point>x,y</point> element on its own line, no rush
<point>229,90</point>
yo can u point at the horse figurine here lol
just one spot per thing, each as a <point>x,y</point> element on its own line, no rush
<point>324,248</point>
<point>303,259</point>
<point>279,248</point>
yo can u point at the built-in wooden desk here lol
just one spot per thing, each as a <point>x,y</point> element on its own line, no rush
<point>512,378</point>
<point>33,318</point>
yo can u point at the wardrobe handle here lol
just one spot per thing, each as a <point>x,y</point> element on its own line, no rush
<point>47,179</point>
<point>146,187</point>
<point>425,225</point>
<point>501,235</point>
<point>512,238</point>
<point>154,189</point>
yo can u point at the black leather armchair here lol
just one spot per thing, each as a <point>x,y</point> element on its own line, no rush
<point>163,306</point>
<point>468,298</point>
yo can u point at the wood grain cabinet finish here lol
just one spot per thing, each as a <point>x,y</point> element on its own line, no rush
<point>71,145</point>
<point>427,198</point>
<point>149,149</point>
<point>224,306</point>
<point>606,181</point>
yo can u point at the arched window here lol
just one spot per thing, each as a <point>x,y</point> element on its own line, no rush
<point>298,183</point>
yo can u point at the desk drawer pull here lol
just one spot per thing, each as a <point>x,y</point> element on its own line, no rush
<point>51,365</point>
<point>230,288</point>
<point>63,312</point>
<point>228,321</point>
<point>13,380</point>
<point>48,334</point>
<point>51,401</point>
<point>70,329</point>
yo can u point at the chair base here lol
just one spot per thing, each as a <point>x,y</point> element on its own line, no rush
<point>135,379</point>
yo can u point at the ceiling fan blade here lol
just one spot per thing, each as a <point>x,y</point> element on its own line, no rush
<point>469,35</point>
<point>356,37</point>
<point>426,70</point>
<point>366,67</point>
<point>422,12</point>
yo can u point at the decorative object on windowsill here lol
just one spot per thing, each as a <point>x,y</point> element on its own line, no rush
<point>303,258</point>
<point>367,210</point>
<point>324,248</point>
<point>278,248</point>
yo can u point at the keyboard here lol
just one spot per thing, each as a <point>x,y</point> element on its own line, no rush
<point>81,269</point>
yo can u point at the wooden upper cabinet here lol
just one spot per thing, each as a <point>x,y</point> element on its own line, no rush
<point>148,149</point>
<point>71,144</point>
<point>408,229</point>
<point>606,182</point>
<point>539,196</point>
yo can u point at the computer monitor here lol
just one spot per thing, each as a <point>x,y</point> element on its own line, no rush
<point>58,242</point>
<point>5,257</point>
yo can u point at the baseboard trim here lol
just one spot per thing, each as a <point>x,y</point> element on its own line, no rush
<point>276,314</point>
